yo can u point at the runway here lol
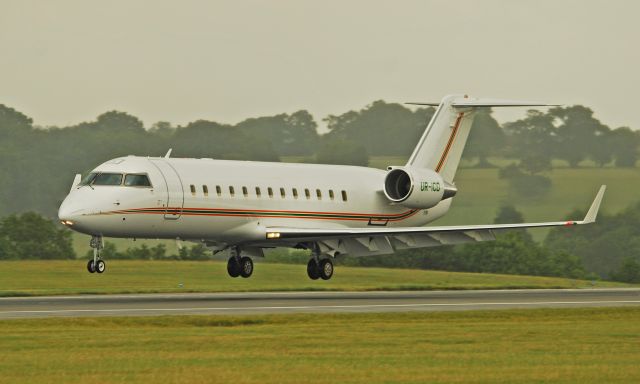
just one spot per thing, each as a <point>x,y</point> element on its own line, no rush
<point>309,302</point>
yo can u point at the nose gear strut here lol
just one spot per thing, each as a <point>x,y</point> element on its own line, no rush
<point>96,264</point>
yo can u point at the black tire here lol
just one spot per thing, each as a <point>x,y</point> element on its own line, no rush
<point>246,267</point>
<point>326,269</point>
<point>90,267</point>
<point>100,266</point>
<point>313,271</point>
<point>233,267</point>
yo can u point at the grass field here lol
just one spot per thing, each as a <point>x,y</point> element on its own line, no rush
<point>507,346</point>
<point>481,193</point>
<point>123,276</point>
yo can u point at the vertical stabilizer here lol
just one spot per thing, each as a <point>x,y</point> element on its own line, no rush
<point>441,145</point>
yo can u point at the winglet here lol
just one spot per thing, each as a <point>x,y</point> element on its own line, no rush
<point>595,206</point>
<point>168,153</point>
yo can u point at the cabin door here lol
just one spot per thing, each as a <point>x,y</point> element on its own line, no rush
<point>175,192</point>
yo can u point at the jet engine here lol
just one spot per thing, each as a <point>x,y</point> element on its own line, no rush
<point>416,188</point>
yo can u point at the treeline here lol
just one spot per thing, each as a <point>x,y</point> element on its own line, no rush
<point>37,164</point>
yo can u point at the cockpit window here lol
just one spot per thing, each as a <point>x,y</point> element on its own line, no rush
<point>88,179</point>
<point>107,179</point>
<point>137,181</point>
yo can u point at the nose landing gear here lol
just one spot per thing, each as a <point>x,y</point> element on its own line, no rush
<point>96,264</point>
<point>239,265</point>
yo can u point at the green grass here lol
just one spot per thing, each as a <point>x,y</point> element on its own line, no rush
<point>600,345</point>
<point>481,193</point>
<point>124,276</point>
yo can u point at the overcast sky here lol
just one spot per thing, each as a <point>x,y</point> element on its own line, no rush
<point>64,61</point>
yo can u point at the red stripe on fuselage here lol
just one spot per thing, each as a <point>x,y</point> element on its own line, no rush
<point>445,153</point>
<point>162,211</point>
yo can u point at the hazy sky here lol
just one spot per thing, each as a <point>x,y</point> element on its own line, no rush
<point>63,61</point>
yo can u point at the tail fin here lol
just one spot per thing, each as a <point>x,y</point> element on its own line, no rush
<point>441,145</point>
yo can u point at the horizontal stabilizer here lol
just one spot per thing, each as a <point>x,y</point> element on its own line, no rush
<point>425,103</point>
<point>460,103</point>
<point>466,102</point>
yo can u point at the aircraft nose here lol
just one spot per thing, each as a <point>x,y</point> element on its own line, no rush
<point>69,213</point>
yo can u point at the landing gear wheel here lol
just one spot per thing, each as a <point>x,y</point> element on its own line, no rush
<point>96,264</point>
<point>233,267</point>
<point>246,267</point>
<point>326,269</point>
<point>313,271</point>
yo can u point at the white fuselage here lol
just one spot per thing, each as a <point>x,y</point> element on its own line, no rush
<point>231,202</point>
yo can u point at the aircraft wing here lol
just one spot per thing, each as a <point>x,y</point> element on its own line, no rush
<point>381,240</point>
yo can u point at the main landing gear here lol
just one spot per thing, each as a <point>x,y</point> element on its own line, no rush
<point>238,265</point>
<point>319,268</point>
<point>96,264</point>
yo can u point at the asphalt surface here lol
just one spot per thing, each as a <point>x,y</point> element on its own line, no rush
<point>309,302</point>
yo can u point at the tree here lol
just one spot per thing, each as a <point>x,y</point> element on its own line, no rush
<point>13,122</point>
<point>293,134</point>
<point>533,141</point>
<point>578,134</point>
<point>382,128</point>
<point>204,138</point>
<point>524,184</point>
<point>602,150</point>
<point>115,120</point>
<point>162,129</point>
<point>507,214</point>
<point>31,236</point>
<point>625,142</point>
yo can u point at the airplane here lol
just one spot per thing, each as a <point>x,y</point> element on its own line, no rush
<point>331,210</point>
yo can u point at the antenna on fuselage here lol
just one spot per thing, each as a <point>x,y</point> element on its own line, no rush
<point>168,155</point>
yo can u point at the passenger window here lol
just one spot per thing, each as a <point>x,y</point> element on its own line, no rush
<point>270,191</point>
<point>108,179</point>
<point>331,194</point>
<point>258,191</point>
<point>232,192</point>
<point>205,190</point>
<point>307,193</point>
<point>319,194</point>
<point>193,189</point>
<point>282,193</point>
<point>344,195</point>
<point>295,193</point>
<point>245,192</point>
<point>218,190</point>
<point>137,181</point>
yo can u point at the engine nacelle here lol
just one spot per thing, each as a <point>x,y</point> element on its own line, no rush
<point>416,188</point>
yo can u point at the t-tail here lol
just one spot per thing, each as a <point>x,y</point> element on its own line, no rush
<point>441,145</point>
